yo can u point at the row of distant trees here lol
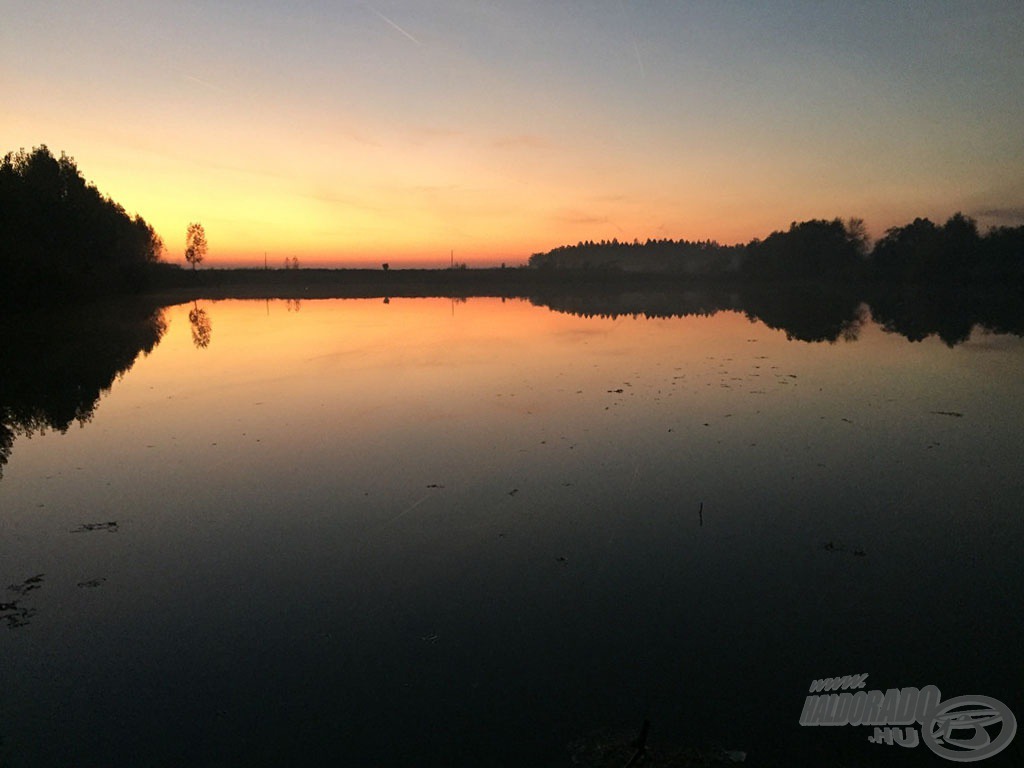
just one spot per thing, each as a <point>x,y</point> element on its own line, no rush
<point>694,257</point>
<point>60,236</point>
<point>920,252</point>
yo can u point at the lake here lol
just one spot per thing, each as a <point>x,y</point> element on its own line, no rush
<point>489,532</point>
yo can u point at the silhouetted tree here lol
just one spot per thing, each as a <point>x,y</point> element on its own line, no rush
<point>925,252</point>
<point>61,238</point>
<point>1004,252</point>
<point>857,235</point>
<point>195,244</point>
<point>904,252</point>
<point>385,266</point>
<point>701,258</point>
<point>815,249</point>
<point>6,443</point>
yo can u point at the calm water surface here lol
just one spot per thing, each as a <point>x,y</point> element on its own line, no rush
<point>428,532</point>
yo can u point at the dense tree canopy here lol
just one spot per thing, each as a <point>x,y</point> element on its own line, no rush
<point>669,256</point>
<point>60,237</point>
<point>809,250</point>
<point>954,253</point>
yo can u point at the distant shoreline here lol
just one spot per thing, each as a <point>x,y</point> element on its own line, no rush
<point>171,284</point>
<point>347,283</point>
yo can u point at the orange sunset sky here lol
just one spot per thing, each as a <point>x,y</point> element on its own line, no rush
<point>352,133</point>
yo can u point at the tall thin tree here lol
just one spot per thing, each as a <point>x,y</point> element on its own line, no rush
<point>195,244</point>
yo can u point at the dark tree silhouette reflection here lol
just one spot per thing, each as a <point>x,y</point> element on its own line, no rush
<point>57,365</point>
<point>202,329</point>
<point>810,312</point>
<point>7,436</point>
<point>952,314</point>
<point>807,313</point>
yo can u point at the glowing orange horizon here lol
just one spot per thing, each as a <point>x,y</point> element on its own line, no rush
<point>497,133</point>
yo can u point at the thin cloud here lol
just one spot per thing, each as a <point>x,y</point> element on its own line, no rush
<point>393,25</point>
<point>331,198</point>
<point>202,82</point>
<point>639,61</point>
<point>578,217</point>
<point>1011,213</point>
<point>628,23</point>
<point>521,141</point>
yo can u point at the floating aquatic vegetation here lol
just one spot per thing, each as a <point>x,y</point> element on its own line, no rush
<point>111,526</point>
<point>14,614</point>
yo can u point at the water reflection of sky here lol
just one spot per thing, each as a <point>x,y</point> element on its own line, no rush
<point>480,520</point>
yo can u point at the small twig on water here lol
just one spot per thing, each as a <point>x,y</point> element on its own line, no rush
<point>640,744</point>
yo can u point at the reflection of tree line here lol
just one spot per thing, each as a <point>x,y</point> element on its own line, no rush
<point>812,311</point>
<point>55,367</point>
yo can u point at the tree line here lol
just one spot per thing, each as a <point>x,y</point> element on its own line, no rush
<point>919,252</point>
<point>61,238</point>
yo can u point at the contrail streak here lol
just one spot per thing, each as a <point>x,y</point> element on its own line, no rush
<point>628,23</point>
<point>393,25</point>
<point>199,80</point>
<point>636,50</point>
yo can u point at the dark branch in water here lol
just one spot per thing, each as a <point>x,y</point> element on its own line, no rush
<point>640,744</point>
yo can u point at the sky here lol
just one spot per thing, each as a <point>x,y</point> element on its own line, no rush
<point>413,132</point>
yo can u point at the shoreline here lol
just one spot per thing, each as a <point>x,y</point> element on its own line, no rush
<point>342,283</point>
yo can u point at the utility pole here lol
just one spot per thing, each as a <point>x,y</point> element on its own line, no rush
<point>453,259</point>
<point>265,261</point>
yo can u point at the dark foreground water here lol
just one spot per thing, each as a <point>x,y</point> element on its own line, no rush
<point>431,533</point>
